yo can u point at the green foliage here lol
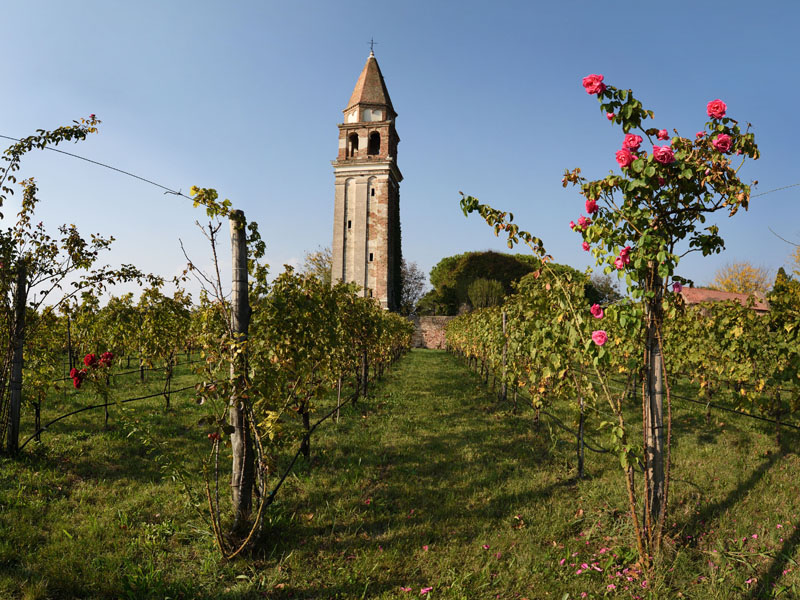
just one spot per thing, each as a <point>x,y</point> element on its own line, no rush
<point>90,514</point>
<point>641,223</point>
<point>452,276</point>
<point>483,293</point>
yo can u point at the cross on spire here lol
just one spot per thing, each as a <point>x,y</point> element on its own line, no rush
<point>371,43</point>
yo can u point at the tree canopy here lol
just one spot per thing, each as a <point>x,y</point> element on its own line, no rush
<point>452,277</point>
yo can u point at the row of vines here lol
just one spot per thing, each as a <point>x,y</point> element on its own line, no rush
<point>640,221</point>
<point>270,360</point>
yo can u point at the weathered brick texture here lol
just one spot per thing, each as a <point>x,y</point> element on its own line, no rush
<point>429,332</point>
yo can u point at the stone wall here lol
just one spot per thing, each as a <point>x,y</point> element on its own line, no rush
<point>429,332</point>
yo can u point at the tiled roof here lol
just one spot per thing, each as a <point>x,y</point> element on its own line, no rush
<point>370,87</point>
<point>698,295</point>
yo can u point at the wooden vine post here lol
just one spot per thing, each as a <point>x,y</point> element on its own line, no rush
<point>243,471</point>
<point>16,361</point>
<point>504,383</point>
<point>654,403</point>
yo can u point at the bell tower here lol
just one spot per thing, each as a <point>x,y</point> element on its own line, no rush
<point>366,216</point>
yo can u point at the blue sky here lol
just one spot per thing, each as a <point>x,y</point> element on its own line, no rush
<point>245,97</point>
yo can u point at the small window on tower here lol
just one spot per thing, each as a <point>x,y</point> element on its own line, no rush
<point>370,257</point>
<point>372,192</point>
<point>353,144</point>
<point>370,293</point>
<point>374,146</point>
<point>349,224</point>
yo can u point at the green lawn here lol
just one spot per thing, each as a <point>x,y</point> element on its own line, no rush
<point>428,484</point>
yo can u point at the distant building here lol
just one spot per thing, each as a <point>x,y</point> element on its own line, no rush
<point>699,295</point>
<point>366,217</point>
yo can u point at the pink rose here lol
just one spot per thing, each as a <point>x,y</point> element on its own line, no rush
<point>597,311</point>
<point>716,109</point>
<point>632,142</point>
<point>91,116</point>
<point>584,222</point>
<point>677,287</point>
<point>662,134</point>
<point>699,134</point>
<point>585,246</point>
<point>572,225</point>
<point>619,263</point>
<point>624,158</point>
<point>723,143</point>
<point>625,251</point>
<point>594,84</point>
<point>599,337</point>
<point>663,154</point>
<point>610,116</point>
<point>591,206</point>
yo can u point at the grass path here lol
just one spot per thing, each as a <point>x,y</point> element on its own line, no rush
<point>429,485</point>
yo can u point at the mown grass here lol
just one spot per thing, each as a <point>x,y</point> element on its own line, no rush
<point>431,483</point>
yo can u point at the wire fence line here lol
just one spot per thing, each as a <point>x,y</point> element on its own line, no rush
<point>102,405</point>
<point>707,404</point>
<point>139,370</point>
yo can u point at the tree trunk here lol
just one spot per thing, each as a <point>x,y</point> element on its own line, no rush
<point>364,373</point>
<point>15,387</point>
<point>504,384</point>
<point>69,345</point>
<point>338,397</point>
<point>305,446</point>
<point>243,469</point>
<point>653,408</point>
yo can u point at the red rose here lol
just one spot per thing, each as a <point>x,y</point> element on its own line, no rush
<point>591,206</point>
<point>90,360</point>
<point>585,246</point>
<point>723,143</point>
<point>661,181</point>
<point>73,373</point>
<point>594,84</point>
<point>716,109</point>
<point>610,116</point>
<point>624,158</point>
<point>663,154</point>
<point>76,382</point>
<point>632,141</point>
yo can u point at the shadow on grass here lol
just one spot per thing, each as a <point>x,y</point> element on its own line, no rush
<point>403,480</point>
<point>710,511</point>
<point>779,564</point>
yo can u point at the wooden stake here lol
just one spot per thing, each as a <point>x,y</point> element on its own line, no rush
<point>20,296</point>
<point>243,471</point>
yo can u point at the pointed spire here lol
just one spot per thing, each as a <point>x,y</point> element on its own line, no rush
<point>370,87</point>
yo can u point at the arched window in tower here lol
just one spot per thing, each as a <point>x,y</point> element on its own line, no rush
<point>352,146</point>
<point>374,146</point>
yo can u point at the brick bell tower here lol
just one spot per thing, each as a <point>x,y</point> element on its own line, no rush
<point>366,216</point>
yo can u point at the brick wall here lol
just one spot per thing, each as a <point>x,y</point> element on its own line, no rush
<point>429,332</point>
